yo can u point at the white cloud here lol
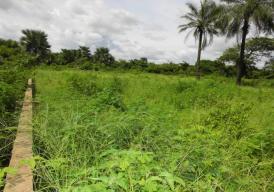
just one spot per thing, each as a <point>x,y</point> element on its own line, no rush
<point>130,28</point>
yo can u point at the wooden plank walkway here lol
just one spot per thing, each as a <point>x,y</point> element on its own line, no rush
<point>22,180</point>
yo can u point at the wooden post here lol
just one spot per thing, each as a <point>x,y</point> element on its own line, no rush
<point>21,180</point>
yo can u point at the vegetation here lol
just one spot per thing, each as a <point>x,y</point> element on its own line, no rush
<point>13,56</point>
<point>104,124</point>
<point>29,54</point>
<point>12,85</point>
<point>257,49</point>
<point>203,23</point>
<point>103,56</point>
<point>97,132</point>
<point>242,14</point>
<point>13,64</point>
<point>36,43</point>
<point>269,69</point>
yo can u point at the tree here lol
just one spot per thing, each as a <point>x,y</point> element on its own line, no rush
<point>35,42</point>
<point>12,55</point>
<point>141,63</point>
<point>209,67</point>
<point>243,13</point>
<point>255,49</point>
<point>269,69</point>
<point>84,52</point>
<point>259,47</point>
<point>203,24</point>
<point>102,56</point>
<point>68,56</point>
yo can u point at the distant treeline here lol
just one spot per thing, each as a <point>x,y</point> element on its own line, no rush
<point>34,50</point>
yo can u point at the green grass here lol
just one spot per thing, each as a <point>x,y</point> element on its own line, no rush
<point>111,131</point>
<point>12,87</point>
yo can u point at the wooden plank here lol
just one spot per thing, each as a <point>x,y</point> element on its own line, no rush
<point>22,180</point>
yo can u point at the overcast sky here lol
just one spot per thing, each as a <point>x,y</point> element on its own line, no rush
<point>129,28</point>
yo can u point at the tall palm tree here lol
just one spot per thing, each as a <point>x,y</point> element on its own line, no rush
<point>202,22</point>
<point>242,14</point>
<point>35,42</point>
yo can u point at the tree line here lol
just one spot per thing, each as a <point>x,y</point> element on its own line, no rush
<point>204,22</point>
<point>34,49</point>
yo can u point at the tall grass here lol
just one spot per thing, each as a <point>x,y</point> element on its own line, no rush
<point>12,86</point>
<point>107,131</point>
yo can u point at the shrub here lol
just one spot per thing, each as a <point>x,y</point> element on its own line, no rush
<point>232,119</point>
<point>182,86</point>
<point>84,85</point>
<point>12,85</point>
<point>111,96</point>
<point>7,98</point>
<point>201,95</point>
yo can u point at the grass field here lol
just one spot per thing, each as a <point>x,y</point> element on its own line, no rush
<point>110,131</point>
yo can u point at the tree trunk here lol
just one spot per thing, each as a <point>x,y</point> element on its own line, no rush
<point>241,65</point>
<point>199,55</point>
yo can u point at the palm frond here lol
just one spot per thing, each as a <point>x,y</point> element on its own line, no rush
<point>263,19</point>
<point>202,20</point>
<point>193,9</point>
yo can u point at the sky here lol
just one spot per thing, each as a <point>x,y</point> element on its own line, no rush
<point>129,28</point>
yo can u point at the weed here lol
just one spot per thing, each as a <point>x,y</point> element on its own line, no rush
<point>157,133</point>
<point>85,86</point>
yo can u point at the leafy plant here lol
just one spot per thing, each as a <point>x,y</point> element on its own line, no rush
<point>85,86</point>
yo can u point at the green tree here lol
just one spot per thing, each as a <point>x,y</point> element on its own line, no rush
<point>241,15</point>
<point>68,56</point>
<point>12,55</point>
<point>202,22</point>
<point>259,47</point>
<point>209,67</point>
<point>269,69</point>
<point>102,56</point>
<point>84,52</point>
<point>255,49</point>
<point>35,42</point>
<point>141,63</point>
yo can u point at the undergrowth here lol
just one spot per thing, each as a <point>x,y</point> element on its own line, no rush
<point>138,132</point>
<point>12,86</point>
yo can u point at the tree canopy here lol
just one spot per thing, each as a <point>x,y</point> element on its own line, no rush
<point>256,48</point>
<point>102,56</point>
<point>35,42</point>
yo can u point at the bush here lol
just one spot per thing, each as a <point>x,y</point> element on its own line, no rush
<point>111,96</point>
<point>182,86</point>
<point>8,98</point>
<point>86,86</point>
<point>209,67</point>
<point>169,69</point>
<point>193,94</point>
<point>12,85</point>
<point>231,119</point>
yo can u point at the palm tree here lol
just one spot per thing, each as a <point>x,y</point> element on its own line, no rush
<point>35,42</point>
<point>242,14</point>
<point>202,23</point>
